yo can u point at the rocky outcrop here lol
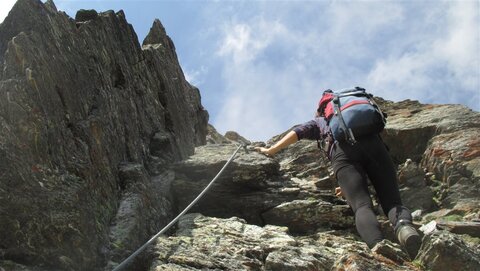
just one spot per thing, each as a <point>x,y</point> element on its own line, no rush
<point>443,139</point>
<point>241,191</point>
<point>312,212</point>
<point>205,243</point>
<point>256,189</point>
<point>89,120</point>
<point>445,251</point>
<point>214,137</point>
<point>415,192</point>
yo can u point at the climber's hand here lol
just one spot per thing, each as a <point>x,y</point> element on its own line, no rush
<point>266,151</point>
<point>338,192</point>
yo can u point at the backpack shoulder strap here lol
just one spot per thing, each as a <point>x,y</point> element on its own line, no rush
<point>348,132</point>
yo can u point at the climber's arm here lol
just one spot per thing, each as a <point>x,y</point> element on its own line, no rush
<point>290,138</point>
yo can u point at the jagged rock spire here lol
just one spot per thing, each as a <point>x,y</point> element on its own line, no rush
<point>158,35</point>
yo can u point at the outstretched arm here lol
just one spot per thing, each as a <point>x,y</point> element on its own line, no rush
<point>290,138</point>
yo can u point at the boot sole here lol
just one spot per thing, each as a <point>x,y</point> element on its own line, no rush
<point>412,245</point>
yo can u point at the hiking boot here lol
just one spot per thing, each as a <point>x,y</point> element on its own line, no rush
<point>408,237</point>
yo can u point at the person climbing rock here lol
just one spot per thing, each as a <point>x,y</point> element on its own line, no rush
<point>348,124</point>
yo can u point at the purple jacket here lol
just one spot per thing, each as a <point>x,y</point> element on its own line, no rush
<point>316,129</point>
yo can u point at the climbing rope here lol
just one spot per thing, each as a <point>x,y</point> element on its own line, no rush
<point>131,257</point>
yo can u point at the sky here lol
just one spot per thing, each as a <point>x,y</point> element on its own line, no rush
<point>261,66</point>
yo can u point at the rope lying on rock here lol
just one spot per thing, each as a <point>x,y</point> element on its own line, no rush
<point>131,257</point>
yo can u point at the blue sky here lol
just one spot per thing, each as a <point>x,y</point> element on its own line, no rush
<point>261,66</point>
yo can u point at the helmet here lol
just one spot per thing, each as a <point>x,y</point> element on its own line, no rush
<point>327,96</point>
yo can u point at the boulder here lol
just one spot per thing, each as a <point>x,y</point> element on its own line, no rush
<point>418,198</point>
<point>414,191</point>
<point>443,250</point>
<point>458,227</point>
<point>236,137</point>
<point>248,187</point>
<point>302,216</point>
<point>214,137</point>
<point>146,205</point>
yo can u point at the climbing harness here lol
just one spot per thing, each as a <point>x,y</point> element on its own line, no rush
<point>131,257</point>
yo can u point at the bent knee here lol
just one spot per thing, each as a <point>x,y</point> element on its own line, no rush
<point>362,206</point>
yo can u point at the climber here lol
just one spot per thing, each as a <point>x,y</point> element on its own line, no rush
<point>352,162</point>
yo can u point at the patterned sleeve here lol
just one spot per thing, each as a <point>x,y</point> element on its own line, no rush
<point>308,130</point>
<point>316,129</point>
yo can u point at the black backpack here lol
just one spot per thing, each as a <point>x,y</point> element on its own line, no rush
<point>351,113</point>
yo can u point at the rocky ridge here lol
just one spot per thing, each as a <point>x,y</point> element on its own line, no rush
<point>89,120</point>
<point>102,144</point>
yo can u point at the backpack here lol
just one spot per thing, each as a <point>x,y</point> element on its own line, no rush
<point>351,113</point>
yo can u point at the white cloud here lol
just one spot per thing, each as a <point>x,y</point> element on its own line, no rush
<point>444,65</point>
<point>461,48</point>
<point>5,7</point>
<point>243,42</point>
<point>274,71</point>
<point>256,90</point>
<point>195,77</point>
<point>276,64</point>
<point>401,77</point>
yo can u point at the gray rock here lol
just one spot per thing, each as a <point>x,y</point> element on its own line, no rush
<point>429,228</point>
<point>355,261</point>
<point>304,160</point>
<point>247,169</point>
<point>213,137</point>
<point>13,266</point>
<point>248,187</point>
<point>458,227</point>
<point>417,215</point>
<point>145,207</point>
<point>445,251</point>
<point>415,194</point>
<point>390,250</point>
<point>411,175</point>
<point>443,139</point>
<point>206,243</point>
<point>309,215</point>
<point>418,198</point>
<point>77,99</point>
<point>236,137</point>
<point>85,15</point>
<point>455,161</point>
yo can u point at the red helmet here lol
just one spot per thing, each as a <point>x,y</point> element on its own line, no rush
<point>323,108</point>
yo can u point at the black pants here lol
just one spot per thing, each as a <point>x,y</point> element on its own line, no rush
<point>352,165</point>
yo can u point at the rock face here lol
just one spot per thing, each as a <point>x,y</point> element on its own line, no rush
<point>204,243</point>
<point>89,120</point>
<point>253,188</point>
<point>444,139</point>
<point>101,145</point>
<point>294,190</point>
<point>445,251</point>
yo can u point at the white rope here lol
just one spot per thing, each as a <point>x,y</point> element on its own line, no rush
<point>127,260</point>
